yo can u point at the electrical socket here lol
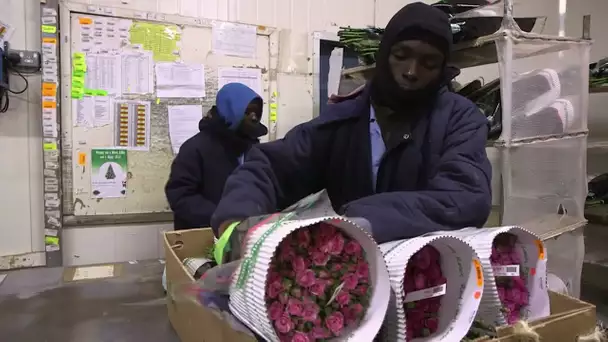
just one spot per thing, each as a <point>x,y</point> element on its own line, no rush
<point>28,60</point>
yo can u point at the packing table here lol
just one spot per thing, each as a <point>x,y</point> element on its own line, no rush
<point>38,305</point>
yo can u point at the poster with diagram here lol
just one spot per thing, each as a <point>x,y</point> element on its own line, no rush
<point>108,173</point>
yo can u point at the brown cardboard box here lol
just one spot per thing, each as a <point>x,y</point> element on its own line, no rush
<point>191,321</point>
<point>569,318</point>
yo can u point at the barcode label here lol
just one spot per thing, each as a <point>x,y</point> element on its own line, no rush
<point>506,271</point>
<point>430,292</point>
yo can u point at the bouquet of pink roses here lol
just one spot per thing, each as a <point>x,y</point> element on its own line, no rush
<point>423,272</point>
<point>318,285</point>
<point>511,287</point>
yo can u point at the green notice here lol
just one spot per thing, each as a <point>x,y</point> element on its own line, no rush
<point>108,173</point>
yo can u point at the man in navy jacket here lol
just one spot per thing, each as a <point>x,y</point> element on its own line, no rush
<point>406,154</point>
<point>205,161</point>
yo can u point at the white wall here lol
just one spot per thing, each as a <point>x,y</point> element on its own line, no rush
<point>20,179</point>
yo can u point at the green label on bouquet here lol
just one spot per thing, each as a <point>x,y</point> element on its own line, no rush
<point>255,250</point>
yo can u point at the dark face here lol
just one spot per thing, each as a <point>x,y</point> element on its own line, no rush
<point>415,64</point>
<point>250,126</point>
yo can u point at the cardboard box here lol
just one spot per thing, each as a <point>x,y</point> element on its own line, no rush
<point>191,321</point>
<point>569,318</point>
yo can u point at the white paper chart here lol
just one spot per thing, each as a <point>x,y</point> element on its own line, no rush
<point>248,76</point>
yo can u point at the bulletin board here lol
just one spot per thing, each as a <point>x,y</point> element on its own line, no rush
<point>134,86</point>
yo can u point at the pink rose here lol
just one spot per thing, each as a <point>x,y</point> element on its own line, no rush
<point>336,267</point>
<point>305,278</point>
<point>432,324</point>
<point>294,307</point>
<point>319,258</point>
<point>357,309</point>
<point>360,290</point>
<point>275,310</point>
<point>518,282</point>
<point>286,252</point>
<point>284,324</point>
<point>310,312</point>
<point>274,276</point>
<point>320,333</point>
<point>362,270</point>
<point>434,272</point>
<point>300,337</point>
<point>318,288</point>
<point>408,284</point>
<point>326,231</point>
<point>298,264</point>
<point>350,281</point>
<point>303,238</point>
<point>420,281</point>
<point>343,298</point>
<point>335,322</point>
<point>422,258</point>
<point>414,315</point>
<point>352,248</point>
<point>337,244</point>
<point>514,256</point>
<point>274,289</point>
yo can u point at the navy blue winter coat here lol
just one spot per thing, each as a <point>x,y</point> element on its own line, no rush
<point>205,161</point>
<point>436,178</point>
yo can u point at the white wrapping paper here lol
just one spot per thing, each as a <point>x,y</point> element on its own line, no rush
<point>248,302</point>
<point>462,269</point>
<point>534,269</point>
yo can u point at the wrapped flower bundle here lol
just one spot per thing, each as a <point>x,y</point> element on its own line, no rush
<point>318,284</point>
<point>312,279</point>
<point>423,272</point>
<point>511,287</point>
<point>436,284</point>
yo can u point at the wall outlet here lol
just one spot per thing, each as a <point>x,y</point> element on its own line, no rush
<point>28,59</point>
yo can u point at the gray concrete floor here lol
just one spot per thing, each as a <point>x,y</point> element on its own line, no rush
<point>36,305</point>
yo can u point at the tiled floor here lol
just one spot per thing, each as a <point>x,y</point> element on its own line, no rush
<point>36,305</point>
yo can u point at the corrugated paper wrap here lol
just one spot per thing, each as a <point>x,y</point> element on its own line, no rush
<point>533,267</point>
<point>247,291</point>
<point>462,269</point>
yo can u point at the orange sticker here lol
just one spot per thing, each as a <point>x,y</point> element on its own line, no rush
<point>541,249</point>
<point>85,21</point>
<point>533,271</point>
<point>49,104</point>
<point>82,158</point>
<point>49,40</point>
<point>478,272</point>
<point>477,294</point>
<point>49,89</point>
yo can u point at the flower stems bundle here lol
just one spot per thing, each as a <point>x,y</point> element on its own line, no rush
<point>318,284</point>
<point>423,272</point>
<point>511,287</point>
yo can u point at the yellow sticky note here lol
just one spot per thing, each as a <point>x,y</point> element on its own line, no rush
<point>49,146</point>
<point>49,104</point>
<point>157,100</point>
<point>273,105</point>
<point>51,240</point>
<point>79,56</point>
<point>273,115</point>
<point>49,89</point>
<point>90,92</point>
<point>77,93</point>
<point>100,92</point>
<point>82,158</point>
<point>274,93</point>
<point>49,29</point>
<point>79,74</point>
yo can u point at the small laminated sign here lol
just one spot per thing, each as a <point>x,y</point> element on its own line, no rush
<point>430,292</point>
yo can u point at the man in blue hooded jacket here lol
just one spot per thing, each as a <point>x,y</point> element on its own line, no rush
<point>406,154</point>
<point>205,161</point>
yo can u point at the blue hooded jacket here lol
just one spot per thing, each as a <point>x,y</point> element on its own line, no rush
<point>205,161</point>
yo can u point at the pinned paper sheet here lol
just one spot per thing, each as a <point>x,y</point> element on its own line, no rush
<point>183,123</point>
<point>180,80</point>
<point>82,158</point>
<point>234,39</point>
<point>49,89</point>
<point>49,29</point>
<point>251,77</point>
<point>137,73</point>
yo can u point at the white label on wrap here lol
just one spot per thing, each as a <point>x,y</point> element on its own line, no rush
<point>430,292</point>
<point>506,271</point>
